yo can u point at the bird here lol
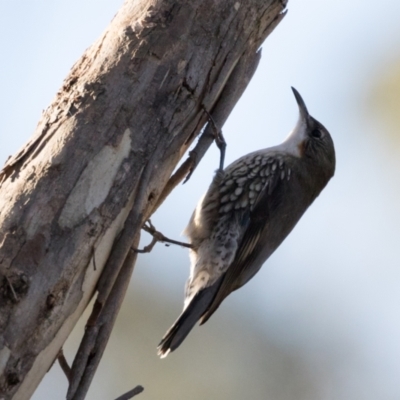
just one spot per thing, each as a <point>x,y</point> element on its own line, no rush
<point>250,207</point>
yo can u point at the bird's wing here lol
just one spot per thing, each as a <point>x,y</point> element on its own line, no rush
<point>255,220</point>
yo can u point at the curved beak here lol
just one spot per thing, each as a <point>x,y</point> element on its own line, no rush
<point>302,106</point>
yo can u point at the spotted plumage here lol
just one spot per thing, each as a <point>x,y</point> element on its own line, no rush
<point>248,210</point>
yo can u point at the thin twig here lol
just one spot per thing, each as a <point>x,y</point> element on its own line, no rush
<point>183,171</point>
<point>64,364</point>
<point>132,393</point>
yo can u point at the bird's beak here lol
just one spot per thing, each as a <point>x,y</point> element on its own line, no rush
<point>302,106</point>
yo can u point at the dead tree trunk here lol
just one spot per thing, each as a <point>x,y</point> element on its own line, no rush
<point>73,201</point>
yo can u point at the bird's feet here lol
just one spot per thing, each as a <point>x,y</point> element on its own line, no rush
<point>158,237</point>
<point>219,139</point>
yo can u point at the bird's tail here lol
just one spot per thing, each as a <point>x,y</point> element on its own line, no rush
<point>187,320</point>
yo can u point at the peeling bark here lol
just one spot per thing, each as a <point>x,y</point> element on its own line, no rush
<point>73,200</point>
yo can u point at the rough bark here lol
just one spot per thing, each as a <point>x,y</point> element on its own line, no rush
<point>74,199</point>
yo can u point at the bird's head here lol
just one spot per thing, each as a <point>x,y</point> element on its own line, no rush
<point>312,139</point>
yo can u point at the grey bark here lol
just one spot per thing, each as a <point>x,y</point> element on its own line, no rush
<point>73,201</point>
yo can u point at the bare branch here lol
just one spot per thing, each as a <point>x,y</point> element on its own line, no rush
<point>97,335</point>
<point>64,365</point>
<point>132,393</point>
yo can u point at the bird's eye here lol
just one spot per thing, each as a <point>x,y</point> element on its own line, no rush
<point>316,133</point>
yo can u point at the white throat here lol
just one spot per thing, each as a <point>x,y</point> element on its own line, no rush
<point>296,137</point>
